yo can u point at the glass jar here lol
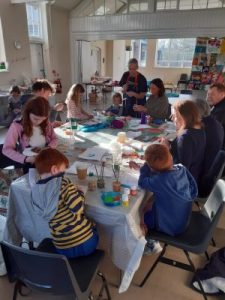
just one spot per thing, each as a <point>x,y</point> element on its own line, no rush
<point>92,182</point>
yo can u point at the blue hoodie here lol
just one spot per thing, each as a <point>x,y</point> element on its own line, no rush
<point>174,191</point>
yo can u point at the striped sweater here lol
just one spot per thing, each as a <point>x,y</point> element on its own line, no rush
<point>69,226</point>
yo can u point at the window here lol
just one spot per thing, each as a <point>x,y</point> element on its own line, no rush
<point>188,4</point>
<point>140,51</point>
<point>3,66</point>
<point>174,53</point>
<point>34,21</point>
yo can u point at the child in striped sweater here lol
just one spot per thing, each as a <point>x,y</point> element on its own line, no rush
<point>62,204</point>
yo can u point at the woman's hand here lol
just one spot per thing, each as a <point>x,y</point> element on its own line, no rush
<point>30,159</point>
<point>131,94</point>
<point>139,108</point>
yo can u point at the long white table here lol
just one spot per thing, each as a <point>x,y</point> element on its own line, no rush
<point>124,239</point>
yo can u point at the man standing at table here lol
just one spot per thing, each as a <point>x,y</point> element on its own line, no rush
<point>134,88</point>
<point>216,98</point>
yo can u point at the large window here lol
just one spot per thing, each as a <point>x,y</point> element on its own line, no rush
<point>139,51</point>
<point>3,65</point>
<point>174,53</point>
<point>188,4</point>
<point>34,21</point>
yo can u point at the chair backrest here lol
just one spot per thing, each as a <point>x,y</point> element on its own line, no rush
<point>183,77</point>
<point>214,173</point>
<point>186,92</point>
<point>39,271</point>
<point>215,200</point>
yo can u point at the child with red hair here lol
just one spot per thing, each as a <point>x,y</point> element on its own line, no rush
<point>61,203</point>
<point>173,189</point>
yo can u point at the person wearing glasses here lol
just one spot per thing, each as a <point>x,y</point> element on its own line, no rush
<point>134,86</point>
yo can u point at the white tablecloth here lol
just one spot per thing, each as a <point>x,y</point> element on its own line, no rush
<point>125,241</point>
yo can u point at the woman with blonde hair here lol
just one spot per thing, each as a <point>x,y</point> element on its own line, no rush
<point>189,146</point>
<point>73,102</point>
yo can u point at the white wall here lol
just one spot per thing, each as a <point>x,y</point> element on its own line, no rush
<point>59,41</point>
<point>14,28</point>
<point>119,59</point>
<point>56,48</point>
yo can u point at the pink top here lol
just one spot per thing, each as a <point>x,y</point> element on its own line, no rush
<point>74,111</point>
<point>15,135</point>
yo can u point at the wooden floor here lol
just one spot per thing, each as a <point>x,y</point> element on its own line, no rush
<point>166,283</point>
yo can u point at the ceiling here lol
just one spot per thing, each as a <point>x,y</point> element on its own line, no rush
<point>66,4</point>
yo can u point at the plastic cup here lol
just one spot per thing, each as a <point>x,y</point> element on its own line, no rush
<point>82,172</point>
<point>121,137</point>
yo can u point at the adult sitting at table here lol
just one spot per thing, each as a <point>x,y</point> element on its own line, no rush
<point>61,203</point>
<point>214,134</point>
<point>189,146</point>
<point>32,130</point>
<point>157,104</point>
<point>74,105</point>
<point>134,88</point>
<point>216,98</point>
<point>43,88</point>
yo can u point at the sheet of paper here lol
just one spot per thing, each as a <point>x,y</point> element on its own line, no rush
<point>140,126</point>
<point>133,134</point>
<point>130,177</point>
<point>93,153</point>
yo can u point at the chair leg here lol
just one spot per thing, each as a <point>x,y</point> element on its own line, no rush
<point>206,255</point>
<point>213,242</point>
<point>103,287</point>
<point>16,289</point>
<point>194,271</point>
<point>153,266</point>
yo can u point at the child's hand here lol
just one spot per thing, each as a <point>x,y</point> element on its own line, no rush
<point>164,141</point>
<point>56,124</point>
<point>59,106</point>
<point>134,165</point>
<point>144,228</point>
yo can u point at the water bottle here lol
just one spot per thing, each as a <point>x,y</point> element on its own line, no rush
<point>143,118</point>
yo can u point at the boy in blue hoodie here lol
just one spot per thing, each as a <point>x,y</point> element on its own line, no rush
<point>173,189</point>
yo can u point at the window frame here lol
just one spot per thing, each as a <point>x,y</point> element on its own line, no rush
<point>3,60</point>
<point>141,43</point>
<point>38,24</point>
<point>169,61</point>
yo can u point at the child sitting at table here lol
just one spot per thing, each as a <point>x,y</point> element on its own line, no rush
<point>116,109</point>
<point>61,203</point>
<point>73,102</point>
<point>15,104</point>
<point>173,189</point>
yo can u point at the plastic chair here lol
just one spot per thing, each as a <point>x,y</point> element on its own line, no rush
<point>215,172</point>
<point>186,92</point>
<point>53,273</point>
<point>197,236</point>
<point>183,79</point>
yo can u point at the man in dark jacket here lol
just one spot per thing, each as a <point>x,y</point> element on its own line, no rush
<point>216,98</point>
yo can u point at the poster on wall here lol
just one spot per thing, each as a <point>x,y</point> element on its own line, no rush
<point>208,63</point>
<point>213,46</point>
